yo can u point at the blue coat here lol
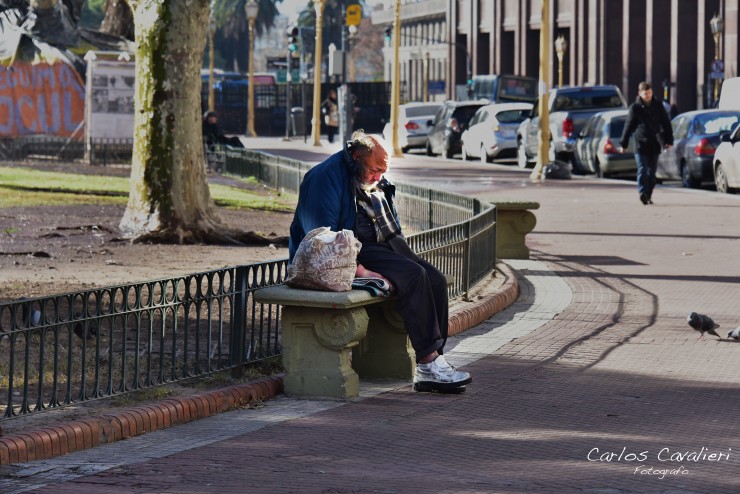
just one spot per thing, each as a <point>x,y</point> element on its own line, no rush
<point>325,199</point>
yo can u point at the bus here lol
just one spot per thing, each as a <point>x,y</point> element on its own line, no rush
<point>505,88</point>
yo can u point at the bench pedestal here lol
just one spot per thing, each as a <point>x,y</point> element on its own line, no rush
<point>321,329</point>
<point>514,221</point>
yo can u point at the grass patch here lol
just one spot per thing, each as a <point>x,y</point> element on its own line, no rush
<point>22,187</point>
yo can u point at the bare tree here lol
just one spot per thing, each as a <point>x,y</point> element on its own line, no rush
<point>169,200</point>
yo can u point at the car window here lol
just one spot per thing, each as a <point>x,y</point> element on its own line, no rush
<point>616,127</point>
<point>482,117</point>
<point>589,127</point>
<point>463,114</point>
<point>715,124</point>
<point>586,100</point>
<point>599,126</point>
<point>512,116</point>
<point>440,114</point>
<point>421,111</point>
<point>681,129</point>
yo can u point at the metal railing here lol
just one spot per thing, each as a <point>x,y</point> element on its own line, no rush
<point>68,348</point>
<point>50,148</point>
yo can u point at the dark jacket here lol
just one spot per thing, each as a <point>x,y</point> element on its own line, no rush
<point>650,125</point>
<point>326,198</point>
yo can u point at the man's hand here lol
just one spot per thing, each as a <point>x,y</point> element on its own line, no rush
<point>361,272</point>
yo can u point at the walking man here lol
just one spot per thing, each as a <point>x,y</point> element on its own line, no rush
<point>648,121</point>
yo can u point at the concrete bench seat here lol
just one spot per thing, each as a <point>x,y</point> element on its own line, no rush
<point>514,220</point>
<point>320,330</point>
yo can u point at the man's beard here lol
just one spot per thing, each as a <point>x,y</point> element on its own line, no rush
<point>368,187</point>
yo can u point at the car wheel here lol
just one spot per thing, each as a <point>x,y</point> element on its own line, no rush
<point>720,179</point>
<point>483,155</point>
<point>521,155</point>
<point>429,149</point>
<point>405,150</point>
<point>687,180</point>
<point>448,152</point>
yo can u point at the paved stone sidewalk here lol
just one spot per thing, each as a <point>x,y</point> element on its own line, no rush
<point>542,297</point>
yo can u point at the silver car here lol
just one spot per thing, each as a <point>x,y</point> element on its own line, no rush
<point>414,120</point>
<point>492,131</point>
<point>597,147</point>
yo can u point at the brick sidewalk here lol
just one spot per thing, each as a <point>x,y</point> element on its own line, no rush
<point>592,381</point>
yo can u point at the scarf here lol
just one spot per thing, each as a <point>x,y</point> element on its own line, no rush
<point>386,227</point>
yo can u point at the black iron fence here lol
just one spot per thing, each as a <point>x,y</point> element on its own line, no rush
<point>51,148</point>
<point>104,342</point>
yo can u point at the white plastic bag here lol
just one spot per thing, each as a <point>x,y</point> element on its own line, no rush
<point>325,260</point>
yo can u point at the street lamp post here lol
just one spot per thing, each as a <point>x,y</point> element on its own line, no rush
<point>318,6</point>
<point>252,9</point>
<point>717,25</point>
<point>543,135</point>
<point>561,45</point>
<point>396,82</point>
<point>211,33</point>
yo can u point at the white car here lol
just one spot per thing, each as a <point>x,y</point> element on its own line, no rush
<point>726,163</point>
<point>492,131</point>
<point>414,120</point>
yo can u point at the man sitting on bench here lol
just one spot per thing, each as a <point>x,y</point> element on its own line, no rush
<point>348,191</point>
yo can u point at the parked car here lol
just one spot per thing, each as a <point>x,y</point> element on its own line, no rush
<point>414,121</point>
<point>569,107</point>
<point>448,125</point>
<point>597,149</point>
<point>726,164</point>
<point>696,135</point>
<point>491,132</point>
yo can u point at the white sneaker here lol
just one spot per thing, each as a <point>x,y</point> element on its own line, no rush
<point>439,376</point>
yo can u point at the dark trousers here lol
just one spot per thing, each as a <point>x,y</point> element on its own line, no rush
<point>421,292</point>
<point>647,163</point>
<point>331,132</point>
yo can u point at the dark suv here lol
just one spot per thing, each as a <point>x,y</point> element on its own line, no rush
<point>448,125</point>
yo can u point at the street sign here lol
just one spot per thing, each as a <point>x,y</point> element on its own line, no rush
<point>718,65</point>
<point>716,75</point>
<point>354,14</point>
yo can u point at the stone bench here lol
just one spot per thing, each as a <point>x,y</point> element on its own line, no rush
<point>514,220</point>
<point>320,330</point>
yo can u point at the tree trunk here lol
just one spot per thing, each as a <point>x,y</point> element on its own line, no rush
<point>169,199</point>
<point>118,20</point>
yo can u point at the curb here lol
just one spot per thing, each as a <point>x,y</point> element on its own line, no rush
<point>58,440</point>
<point>49,442</point>
<point>467,317</point>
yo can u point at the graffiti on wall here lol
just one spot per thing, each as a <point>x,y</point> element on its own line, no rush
<point>41,98</point>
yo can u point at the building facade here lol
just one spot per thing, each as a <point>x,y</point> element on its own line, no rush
<point>622,42</point>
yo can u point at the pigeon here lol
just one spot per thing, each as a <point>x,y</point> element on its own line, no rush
<point>734,334</point>
<point>703,324</point>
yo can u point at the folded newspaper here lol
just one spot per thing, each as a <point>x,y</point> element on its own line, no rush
<point>376,286</point>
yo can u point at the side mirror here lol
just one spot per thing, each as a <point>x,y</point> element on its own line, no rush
<point>725,137</point>
<point>430,123</point>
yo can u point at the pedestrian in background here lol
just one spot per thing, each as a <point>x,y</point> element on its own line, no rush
<point>330,110</point>
<point>648,121</point>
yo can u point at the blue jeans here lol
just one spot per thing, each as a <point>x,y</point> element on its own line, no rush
<point>646,166</point>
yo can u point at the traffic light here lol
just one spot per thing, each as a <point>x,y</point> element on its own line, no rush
<point>292,38</point>
<point>388,31</point>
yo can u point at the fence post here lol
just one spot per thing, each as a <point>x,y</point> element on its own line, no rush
<point>431,209</point>
<point>466,261</point>
<point>238,321</point>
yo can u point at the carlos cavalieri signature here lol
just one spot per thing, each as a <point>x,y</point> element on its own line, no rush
<point>665,456</point>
